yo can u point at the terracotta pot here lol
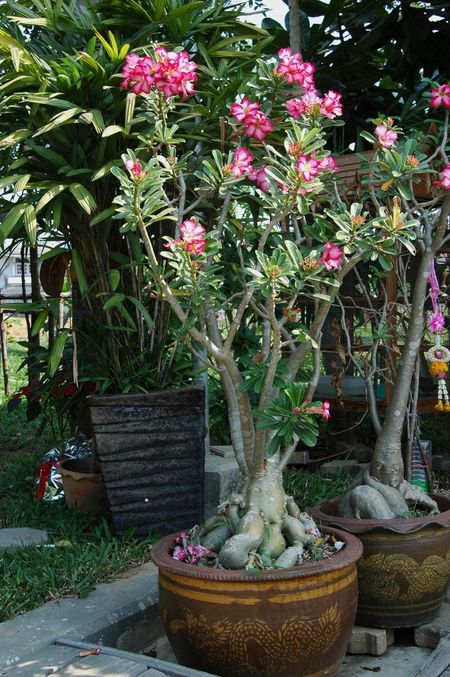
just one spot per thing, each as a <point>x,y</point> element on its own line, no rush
<point>290,623</point>
<point>404,571</point>
<point>83,488</point>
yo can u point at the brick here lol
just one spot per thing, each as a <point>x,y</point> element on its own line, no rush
<point>369,641</point>
<point>430,633</point>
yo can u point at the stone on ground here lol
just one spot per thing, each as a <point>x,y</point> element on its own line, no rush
<point>21,537</point>
<point>430,634</point>
<point>369,641</point>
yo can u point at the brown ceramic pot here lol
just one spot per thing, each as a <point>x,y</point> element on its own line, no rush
<point>289,623</point>
<point>83,488</point>
<point>404,571</point>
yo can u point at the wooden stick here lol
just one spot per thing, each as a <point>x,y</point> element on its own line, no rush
<point>4,352</point>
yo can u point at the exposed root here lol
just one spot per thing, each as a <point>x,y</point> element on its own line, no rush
<point>375,500</point>
<point>255,528</point>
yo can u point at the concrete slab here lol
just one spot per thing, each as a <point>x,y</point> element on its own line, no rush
<point>20,537</point>
<point>119,614</point>
<point>221,478</point>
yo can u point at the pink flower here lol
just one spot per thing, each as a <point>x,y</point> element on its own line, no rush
<point>179,553</point>
<point>444,181</point>
<point>258,125</point>
<point>440,96</point>
<point>259,175</point>
<point>326,410</point>
<point>295,108</point>
<point>293,69</point>
<point>191,230</point>
<point>331,105</point>
<point>241,163</point>
<point>331,256</point>
<point>137,73</point>
<point>386,137</point>
<point>328,163</point>
<point>134,167</point>
<point>193,236</point>
<point>245,109</point>
<point>308,167</point>
<point>311,101</point>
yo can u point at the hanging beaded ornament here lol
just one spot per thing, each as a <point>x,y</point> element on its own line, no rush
<point>437,356</point>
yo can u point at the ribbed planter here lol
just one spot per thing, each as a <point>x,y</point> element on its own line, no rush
<point>405,568</point>
<point>289,623</point>
<point>151,449</point>
<point>83,488</point>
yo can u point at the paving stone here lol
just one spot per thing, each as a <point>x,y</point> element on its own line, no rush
<point>369,641</point>
<point>21,537</point>
<point>430,633</point>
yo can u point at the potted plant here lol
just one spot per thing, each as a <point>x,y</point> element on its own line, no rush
<point>405,568</point>
<point>56,149</point>
<point>276,234</point>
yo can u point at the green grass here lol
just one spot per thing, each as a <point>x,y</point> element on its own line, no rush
<point>85,553</point>
<point>308,488</point>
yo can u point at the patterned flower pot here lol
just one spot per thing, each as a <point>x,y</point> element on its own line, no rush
<point>290,623</point>
<point>404,571</point>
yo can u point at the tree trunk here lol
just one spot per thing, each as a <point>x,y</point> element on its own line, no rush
<point>387,461</point>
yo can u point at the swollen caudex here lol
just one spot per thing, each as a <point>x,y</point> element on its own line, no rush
<point>264,523</point>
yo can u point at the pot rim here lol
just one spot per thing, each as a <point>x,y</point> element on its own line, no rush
<point>345,557</point>
<point>77,474</point>
<point>363,526</point>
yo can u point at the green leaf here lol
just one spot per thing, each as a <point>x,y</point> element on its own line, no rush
<point>78,267</point>
<point>114,301</point>
<point>143,310</point>
<point>114,278</point>
<point>39,322</point>
<point>49,195</point>
<point>10,221</point>
<point>102,216</point>
<point>57,352</point>
<point>30,222</point>
<point>83,197</point>
<point>58,120</point>
<point>112,129</point>
<point>13,138</point>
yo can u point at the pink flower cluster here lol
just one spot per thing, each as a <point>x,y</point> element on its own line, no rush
<point>385,134</point>
<point>241,163</point>
<point>444,181</point>
<point>331,256</point>
<point>192,237</point>
<point>309,167</point>
<point>330,105</point>
<point>256,123</point>
<point>293,69</point>
<point>187,552</point>
<point>171,72</point>
<point>440,96</point>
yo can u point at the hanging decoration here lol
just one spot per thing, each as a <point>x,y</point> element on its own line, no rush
<point>438,356</point>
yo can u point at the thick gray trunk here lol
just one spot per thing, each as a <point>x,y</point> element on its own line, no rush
<point>387,461</point>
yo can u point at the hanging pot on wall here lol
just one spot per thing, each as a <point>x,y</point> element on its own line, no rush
<point>151,449</point>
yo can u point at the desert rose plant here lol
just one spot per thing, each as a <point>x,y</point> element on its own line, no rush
<point>266,234</point>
